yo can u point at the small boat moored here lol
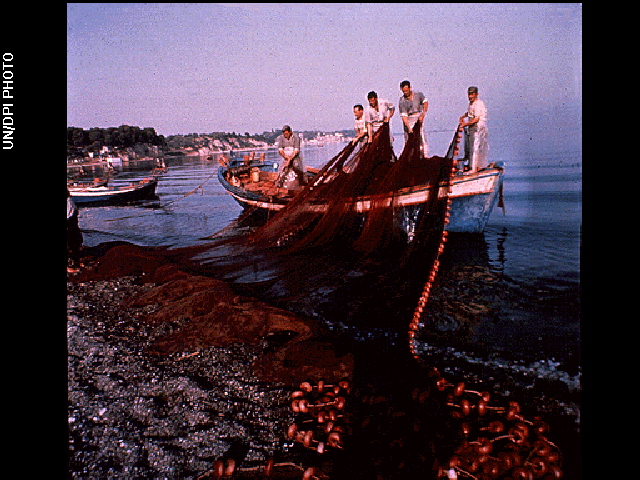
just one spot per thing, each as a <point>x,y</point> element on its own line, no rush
<point>100,195</point>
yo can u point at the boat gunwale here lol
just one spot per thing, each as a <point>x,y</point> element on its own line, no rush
<point>403,197</point>
<point>87,192</point>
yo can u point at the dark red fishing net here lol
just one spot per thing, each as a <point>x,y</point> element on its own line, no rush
<point>346,211</point>
<point>350,202</point>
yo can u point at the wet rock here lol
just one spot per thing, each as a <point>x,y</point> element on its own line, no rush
<point>135,415</point>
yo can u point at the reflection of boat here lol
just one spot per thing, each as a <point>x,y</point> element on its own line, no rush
<point>103,195</point>
<point>473,195</point>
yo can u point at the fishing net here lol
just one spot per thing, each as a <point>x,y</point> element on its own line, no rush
<point>351,202</point>
<point>352,211</point>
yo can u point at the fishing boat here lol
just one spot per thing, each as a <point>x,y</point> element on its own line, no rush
<point>114,195</point>
<point>473,195</point>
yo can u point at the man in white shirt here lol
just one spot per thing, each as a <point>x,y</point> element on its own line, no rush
<point>476,131</point>
<point>413,107</point>
<point>378,112</point>
<point>360,126</point>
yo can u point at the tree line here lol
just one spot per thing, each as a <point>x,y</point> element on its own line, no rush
<point>122,136</point>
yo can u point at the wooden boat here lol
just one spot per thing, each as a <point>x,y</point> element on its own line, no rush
<point>103,195</point>
<point>474,195</point>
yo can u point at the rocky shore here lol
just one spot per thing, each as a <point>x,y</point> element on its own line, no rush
<point>169,372</point>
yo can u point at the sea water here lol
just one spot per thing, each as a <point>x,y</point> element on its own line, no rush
<point>521,275</point>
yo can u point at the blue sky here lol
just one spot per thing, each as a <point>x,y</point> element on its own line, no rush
<point>184,68</point>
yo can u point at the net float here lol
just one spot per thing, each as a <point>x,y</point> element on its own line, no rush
<point>334,439</point>
<point>328,426</point>
<point>466,407</point>
<point>218,468</point>
<point>482,407</point>
<point>231,467</point>
<point>307,438</point>
<point>268,470</point>
<point>291,431</point>
<point>309,473</point>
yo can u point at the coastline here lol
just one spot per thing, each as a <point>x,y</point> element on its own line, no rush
<point>169,372</point>
<point>166,370</point>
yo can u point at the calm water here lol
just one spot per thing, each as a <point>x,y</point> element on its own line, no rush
<point>522,275</point>
<point>538,235</point>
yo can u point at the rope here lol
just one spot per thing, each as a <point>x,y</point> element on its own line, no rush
<point>199,187</point>
<point>417,314</point>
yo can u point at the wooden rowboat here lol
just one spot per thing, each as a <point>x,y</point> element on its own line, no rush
<point>90,196</point>
<point>473,195</point>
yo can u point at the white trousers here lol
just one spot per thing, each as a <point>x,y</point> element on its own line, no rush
<point>476,147</point>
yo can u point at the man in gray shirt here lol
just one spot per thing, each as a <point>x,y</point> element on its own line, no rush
<point>292,173</point>
<point>413,107</point>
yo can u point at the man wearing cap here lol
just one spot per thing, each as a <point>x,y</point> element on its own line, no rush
<point>476,132</point>
<point>289,148</point>
<point>413,107</point>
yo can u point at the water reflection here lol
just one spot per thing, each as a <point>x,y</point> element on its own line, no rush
<point>502,237</point>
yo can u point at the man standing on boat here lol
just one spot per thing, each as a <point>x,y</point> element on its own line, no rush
<point>360,126</point>
<point>413,107</point>
<point>378,112</point>
<point>476,147</point>
<point>289,148</point>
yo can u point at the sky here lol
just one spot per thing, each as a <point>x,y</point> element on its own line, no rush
<point>183,68</point>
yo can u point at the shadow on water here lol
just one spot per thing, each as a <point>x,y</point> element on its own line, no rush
<point>474,305</point>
